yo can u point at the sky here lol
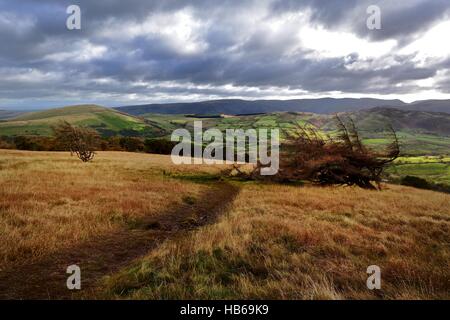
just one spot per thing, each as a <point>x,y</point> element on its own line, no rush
<point>144,51</point>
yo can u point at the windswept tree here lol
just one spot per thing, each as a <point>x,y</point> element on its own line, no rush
<point>310,155</point>
<point>81,141</point>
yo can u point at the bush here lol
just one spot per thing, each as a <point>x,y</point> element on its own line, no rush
<point>5,144</point>
<point>420,183</point>
<point>307,154</point>
<point>131,144</point>
<point>416,182</point>
<point>81,141</point>
<point>159,146</point>
<point>35,143</point>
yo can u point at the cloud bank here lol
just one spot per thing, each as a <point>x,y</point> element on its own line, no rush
<point>142,51</point>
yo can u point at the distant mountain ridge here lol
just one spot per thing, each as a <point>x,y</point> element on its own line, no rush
<point>110,121</point>
<point>437,123</point>
<point>237,106</point>
<point>430,106</point>
<point>320,106</point>
<point>8,114</point>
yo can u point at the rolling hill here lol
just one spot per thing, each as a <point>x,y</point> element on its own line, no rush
<point>418,121</point>
<point>420,132</point>
<point>105,120</point>
<point>8,114</point>
<point>429,105</point>
<point>321,106</point>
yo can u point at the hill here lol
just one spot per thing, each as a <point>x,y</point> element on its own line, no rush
<point>419,121</point>
<point>161,231</point>
<point>105,120</point>
<point>321,106</point>
<point>429,105</point>
<point>419,132</point>
<point>8,114</point>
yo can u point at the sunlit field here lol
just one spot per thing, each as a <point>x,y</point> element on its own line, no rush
<point>435,169</point>
<point>142,228</point>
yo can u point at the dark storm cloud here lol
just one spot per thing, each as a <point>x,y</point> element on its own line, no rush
<point>145,48</point>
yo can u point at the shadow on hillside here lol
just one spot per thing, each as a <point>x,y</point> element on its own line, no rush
<point>208,178</point>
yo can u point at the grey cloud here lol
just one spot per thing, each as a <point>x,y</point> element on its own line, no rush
<point>238,51</point>
<point>400,19</point>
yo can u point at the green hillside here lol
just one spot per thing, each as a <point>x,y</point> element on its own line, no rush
<point>420,133</point>
<point>106,121</point>
<point>424,134</point>
<point>433,169</point>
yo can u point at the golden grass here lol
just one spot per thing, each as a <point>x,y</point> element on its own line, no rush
<point>285,242</point>
<point>50,201</point>
<point>275,241</point>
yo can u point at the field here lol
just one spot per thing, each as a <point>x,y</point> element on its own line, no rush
<point>414,139</point>
<point>420,133</point>
<point>435,169</point>
<point>142,228</point>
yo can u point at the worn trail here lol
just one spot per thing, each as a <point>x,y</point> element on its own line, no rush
<point>46,278</point>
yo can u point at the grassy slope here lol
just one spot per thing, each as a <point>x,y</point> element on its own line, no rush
<point>372,125</point>
<point>50,200</point>
<point>414,129</point>
<point>39,123</point>
<point>274,241</point>
<point>413,142</point>
<point>311,243</point>
<point>421,133</point>
<point>433,169</point>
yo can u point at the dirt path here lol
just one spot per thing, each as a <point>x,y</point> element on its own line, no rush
<point>46,278</point>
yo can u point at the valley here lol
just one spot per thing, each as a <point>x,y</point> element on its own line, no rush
<point>420,133</point>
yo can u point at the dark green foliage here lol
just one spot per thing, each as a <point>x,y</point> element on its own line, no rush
<point>415,182</point>
<point>131,144</point>
<point>32,143</point>
<point>420,183</point>
<point>159,146</point>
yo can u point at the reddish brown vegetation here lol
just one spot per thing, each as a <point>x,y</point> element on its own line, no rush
<point>81,141</point>
<point>307,154</point>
